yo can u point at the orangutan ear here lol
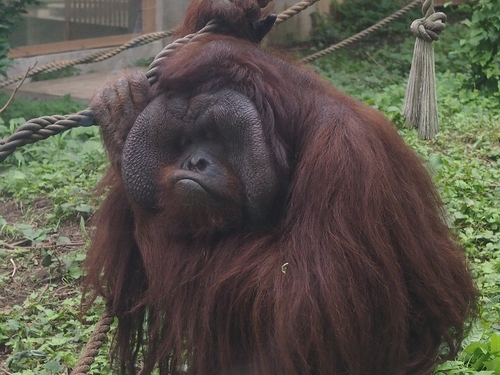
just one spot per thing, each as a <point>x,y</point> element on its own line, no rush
<point>246,19</point>
<point>263,26</point>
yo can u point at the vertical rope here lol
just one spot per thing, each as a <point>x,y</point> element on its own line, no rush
<point>95,342</point>
<point>420,106</point>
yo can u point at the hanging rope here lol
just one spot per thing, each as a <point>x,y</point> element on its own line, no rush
<point>420,106</point>
<point>97,338</point>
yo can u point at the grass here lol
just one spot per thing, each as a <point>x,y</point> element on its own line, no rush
<point>46,198</point>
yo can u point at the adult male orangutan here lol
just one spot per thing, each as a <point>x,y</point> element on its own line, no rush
<point>260,222</point>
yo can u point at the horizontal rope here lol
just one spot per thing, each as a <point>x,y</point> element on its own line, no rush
<point>93,58</point>
<point>44,127</point>
<point>361,34</point>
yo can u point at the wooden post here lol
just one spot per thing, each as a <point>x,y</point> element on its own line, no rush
<point>148,16</point>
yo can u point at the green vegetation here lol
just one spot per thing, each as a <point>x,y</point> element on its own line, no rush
<point>46,199</point>
<point>482,45</point>
<point>10,15</point>
<point>69,71</point>
<point>350,17</point>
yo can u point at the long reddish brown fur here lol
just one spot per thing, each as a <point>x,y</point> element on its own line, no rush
<point>358,276</point>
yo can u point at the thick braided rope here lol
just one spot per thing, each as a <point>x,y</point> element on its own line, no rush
<point>294,10</point>
<point>93,58</point>
<point>152,75</point>
<point>139,41</point>
<point>46,126</point>
<point>429,27</point>
<point>42,128</point>
<point>95,342</point>
<point>361,34</point>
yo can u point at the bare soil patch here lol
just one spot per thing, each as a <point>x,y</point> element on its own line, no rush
<point>21,268</point>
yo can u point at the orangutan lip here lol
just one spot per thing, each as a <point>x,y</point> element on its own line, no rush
<point>189,180</point>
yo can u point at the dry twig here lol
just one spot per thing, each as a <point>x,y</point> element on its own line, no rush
<point>377,63</point>
<point>17,87</point>
<point>15,245</point>
<point>15,268</point>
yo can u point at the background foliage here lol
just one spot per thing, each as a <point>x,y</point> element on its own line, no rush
<point>10,15</point>
<point>349,17</point>
<point>482,45</point>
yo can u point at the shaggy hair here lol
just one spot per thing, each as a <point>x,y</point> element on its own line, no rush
<point>355,273</point>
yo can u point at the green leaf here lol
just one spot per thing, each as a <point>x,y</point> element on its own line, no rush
<point>495,343</point>
<point>435,162</point>
<point>84,208</point>
<point>75,272</point>
<point>47,260</point>
<point>62,241</point>
<point>493,365</point>
<point>54,366</point>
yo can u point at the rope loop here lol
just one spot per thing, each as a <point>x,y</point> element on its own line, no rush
<point>152,73</point>
<point>429,27</point>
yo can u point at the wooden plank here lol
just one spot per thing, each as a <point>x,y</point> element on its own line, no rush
<point>148,16</point>
<point>73,45</point>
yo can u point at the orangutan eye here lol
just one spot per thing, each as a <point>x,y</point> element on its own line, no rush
<point>210,135</point>
<point>183,142</point>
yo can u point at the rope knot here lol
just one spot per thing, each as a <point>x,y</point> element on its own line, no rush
<point>429,28</point>
<point>420,106</point>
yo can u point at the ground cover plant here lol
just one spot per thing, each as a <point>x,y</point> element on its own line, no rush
<point>46,200</point>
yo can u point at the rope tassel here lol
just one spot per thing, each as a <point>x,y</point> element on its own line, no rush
<point>420,106</point>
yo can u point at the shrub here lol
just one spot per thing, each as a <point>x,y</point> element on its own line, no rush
<point>352,16</point>
<point>10,15</point>
<point>482,46</point>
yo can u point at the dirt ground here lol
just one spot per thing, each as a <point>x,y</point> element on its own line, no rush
<point>26,273</point>
<point>21,269</point>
